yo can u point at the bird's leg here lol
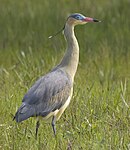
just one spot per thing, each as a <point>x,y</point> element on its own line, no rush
<point>37,127</point>
<point>53,125</point>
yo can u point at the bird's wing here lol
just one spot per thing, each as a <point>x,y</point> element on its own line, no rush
<point>48,94</point>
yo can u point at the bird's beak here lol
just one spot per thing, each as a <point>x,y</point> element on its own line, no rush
<point>88,19</point>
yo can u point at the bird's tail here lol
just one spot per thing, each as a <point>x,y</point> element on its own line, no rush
<point>24,112</point>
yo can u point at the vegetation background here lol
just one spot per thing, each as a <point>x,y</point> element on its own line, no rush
<point>98,117</point>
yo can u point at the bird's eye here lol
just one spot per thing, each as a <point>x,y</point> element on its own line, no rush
<point>78,17</point>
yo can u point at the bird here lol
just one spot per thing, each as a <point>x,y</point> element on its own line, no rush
<point>50,95</point>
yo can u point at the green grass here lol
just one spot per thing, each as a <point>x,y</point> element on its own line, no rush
<point>98,117</point>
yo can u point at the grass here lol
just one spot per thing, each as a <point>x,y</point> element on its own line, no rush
<point>98,117</point>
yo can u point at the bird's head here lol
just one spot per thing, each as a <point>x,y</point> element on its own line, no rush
<point>75,19</point>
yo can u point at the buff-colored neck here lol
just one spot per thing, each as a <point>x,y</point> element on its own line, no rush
<point>70,60</point>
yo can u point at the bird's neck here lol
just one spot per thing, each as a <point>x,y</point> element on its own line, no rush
<point>71,58</point>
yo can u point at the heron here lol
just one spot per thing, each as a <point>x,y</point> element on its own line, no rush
<point>50,95</point>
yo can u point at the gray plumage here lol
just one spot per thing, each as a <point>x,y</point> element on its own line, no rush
<point>49,93</point>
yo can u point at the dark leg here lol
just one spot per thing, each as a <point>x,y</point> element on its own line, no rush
<point>53,125</point>
<point>37,127</point>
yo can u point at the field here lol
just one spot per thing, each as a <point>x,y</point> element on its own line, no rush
<point>98,117</point>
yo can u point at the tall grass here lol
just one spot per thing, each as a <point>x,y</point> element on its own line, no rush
<point>98,117</point>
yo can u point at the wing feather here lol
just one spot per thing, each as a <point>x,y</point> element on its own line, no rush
<point>49,93</point>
